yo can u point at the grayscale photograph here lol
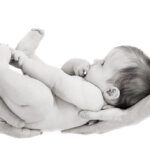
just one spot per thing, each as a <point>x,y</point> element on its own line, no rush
<point>74,74</point>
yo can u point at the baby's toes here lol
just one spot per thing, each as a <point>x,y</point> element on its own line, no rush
<point>37,31</point>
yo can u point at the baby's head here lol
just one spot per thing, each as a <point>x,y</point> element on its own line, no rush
<point>123,77</point>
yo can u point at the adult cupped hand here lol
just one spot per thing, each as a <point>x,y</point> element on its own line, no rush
<point>12,125</point>
<point>109,119</point>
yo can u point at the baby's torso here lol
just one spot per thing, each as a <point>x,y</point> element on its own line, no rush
<point>61,114</point>
<point>60,117</point>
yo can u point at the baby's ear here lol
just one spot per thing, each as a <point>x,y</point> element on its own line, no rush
<point>112,95</point>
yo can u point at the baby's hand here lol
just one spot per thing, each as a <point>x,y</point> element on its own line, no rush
<point>82,69</point>
<point>18,56</point>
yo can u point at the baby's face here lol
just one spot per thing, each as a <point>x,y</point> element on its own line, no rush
<point>101,71</point>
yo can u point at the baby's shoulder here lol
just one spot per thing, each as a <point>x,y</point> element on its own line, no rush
<point>91,93</point>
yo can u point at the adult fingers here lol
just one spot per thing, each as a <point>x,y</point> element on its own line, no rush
<point>100,128</point>
<point>85,129</point>
<point>17,132</point>
<point>9,117</point>
<point>114,114</point>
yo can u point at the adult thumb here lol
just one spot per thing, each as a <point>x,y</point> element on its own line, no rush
<point>103,115</point>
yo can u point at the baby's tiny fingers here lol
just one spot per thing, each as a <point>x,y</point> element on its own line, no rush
<point>16,57</point>
<point>81,72</point>
<point>20,61</point>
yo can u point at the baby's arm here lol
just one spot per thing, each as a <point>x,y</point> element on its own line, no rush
<point>36,68</point>
<point>76,66</point>
<point>72,89</point>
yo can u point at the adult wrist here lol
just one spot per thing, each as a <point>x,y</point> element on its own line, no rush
<point>130,117</point>
<point>126,117</point>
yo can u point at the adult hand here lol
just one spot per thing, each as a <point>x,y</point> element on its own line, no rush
<point>5,128</point>
<point>12,125</point>
<point>111,118</point>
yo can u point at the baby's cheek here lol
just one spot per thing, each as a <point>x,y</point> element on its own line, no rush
<point>90,75</point>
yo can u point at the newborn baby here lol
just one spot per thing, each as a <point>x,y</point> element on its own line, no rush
<point>120,80</point>
<point>53,104</point>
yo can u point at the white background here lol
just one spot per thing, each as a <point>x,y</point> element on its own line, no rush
<point>79,28</point>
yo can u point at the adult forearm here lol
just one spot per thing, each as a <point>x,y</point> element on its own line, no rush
<point>138,112</point>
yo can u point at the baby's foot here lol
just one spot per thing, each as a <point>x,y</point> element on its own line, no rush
<point>5,54</point>
<point>19,57</point>
<point>31,41</point>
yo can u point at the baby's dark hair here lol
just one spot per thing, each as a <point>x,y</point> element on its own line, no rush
<point>133,81</point>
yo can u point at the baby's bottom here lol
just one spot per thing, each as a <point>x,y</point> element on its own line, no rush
<point>28,98</point>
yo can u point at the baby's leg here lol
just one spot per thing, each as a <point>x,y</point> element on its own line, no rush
<point>26,97</point>
<point>31,41</point>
